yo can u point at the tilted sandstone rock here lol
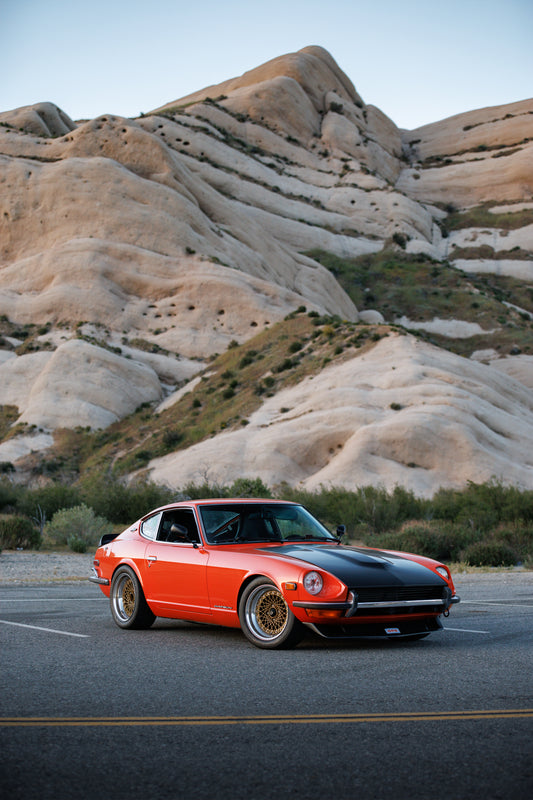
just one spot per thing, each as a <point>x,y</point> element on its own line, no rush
<point>404,413</point>
<point>472,158</point>
<point>41,119</point>
<point>191,227</point>
<point>78,384</point>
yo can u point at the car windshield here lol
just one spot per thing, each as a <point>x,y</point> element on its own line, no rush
<point>260,522</point>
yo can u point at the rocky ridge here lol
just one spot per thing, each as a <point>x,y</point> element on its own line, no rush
<point>139,248</point>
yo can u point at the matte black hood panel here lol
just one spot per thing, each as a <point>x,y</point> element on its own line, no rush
<point>356,566</point>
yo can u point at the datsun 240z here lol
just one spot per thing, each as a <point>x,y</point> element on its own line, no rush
<point>270,568</point>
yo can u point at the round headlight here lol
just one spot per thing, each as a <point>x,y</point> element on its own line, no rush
<point>443,572</point>
<point>313,583</point>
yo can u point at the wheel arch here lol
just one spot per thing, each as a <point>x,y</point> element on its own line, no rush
<point>252,577</point>
<point>132,566</point>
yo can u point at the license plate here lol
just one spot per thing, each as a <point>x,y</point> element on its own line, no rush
<point>392,630</point>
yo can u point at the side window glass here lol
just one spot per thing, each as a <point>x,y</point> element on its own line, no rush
<point>150,526</point>
<point>183,519</point>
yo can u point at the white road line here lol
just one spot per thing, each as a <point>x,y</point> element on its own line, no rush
<point>495,603</point>
<point>47,599</point>
<point>463,630</point>
<point>48,630</point>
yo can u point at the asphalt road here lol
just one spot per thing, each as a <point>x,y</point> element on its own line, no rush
<point>186,711</point>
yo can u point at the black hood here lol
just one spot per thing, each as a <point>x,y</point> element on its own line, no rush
<point>356,566</point>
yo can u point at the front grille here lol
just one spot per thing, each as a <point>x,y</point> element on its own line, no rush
<point>392,594</point>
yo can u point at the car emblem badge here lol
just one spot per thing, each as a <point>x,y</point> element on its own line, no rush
<point>392,630</point>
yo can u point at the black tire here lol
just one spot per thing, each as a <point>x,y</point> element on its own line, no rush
<point>266,619</point>
<point>128,605</point>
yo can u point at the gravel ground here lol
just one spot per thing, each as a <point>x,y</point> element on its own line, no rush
<point>20,567</point>
<point>27,567</point>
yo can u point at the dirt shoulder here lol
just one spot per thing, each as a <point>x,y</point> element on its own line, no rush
<point>25,567</point>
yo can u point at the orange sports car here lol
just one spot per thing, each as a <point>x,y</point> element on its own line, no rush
<point>271,568</point>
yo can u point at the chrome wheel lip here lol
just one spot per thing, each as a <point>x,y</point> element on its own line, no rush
<point>120,603</point>
<point>253,611</point>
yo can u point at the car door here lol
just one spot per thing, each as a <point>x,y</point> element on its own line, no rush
<point>175,573</point>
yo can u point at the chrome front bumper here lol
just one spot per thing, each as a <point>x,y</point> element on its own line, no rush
<point>352,605</point>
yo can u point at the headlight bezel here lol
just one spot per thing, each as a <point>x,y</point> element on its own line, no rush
<point>313,582</point>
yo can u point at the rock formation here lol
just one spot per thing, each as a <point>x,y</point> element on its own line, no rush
<point>135,249</point>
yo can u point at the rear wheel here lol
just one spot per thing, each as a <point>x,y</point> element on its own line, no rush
<point>128,605</point>
<point>266,619</point>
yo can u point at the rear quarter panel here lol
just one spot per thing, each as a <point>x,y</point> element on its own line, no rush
<point>127,549</point>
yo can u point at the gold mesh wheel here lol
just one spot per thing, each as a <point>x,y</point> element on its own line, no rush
<point>265,616</point>
<point>123,597</point>
<point>128,605</point>
<point>128,597</point>
<point>271,612</point>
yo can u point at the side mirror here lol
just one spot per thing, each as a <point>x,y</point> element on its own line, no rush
<point>179,533</point>
<point>341,530</point>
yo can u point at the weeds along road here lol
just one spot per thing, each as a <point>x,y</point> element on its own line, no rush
<point>192,711</point>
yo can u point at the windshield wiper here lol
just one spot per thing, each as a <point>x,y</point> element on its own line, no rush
<point>296,538</point>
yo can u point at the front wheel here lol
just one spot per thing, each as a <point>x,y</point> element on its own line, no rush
<point>128,605</point>
<point>266,619</point>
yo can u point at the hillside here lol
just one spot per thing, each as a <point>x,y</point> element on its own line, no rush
<point>135,252</point>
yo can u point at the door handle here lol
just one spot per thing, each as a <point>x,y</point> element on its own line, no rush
<point>151,559</point>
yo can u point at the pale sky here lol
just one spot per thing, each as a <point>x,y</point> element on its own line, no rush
<point>419,61</point>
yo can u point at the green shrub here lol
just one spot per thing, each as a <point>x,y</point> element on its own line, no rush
<point>489,553</point>
<point>172,437</point>
<point>17,531</point>
<point>48,499</point>
<point>9,494</point>
<point>120,503</point>
<point>242,487</point>
<point>77,543</point>
<point>77,527</point>
<point>205,490</point>
<point>287,363</point>
<point>441,541</point>
<point>518,536</point>
<point>249,487</point>
<point>483,506</point>
<point>366,511</point>
<point>399,239</point>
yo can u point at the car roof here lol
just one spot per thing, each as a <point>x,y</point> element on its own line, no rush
<point>224,501</point>
<point>235,500</point>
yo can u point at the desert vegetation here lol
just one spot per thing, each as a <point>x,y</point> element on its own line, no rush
<point>484,525</point>
<point>420,288</point>
<point>482,217</point>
